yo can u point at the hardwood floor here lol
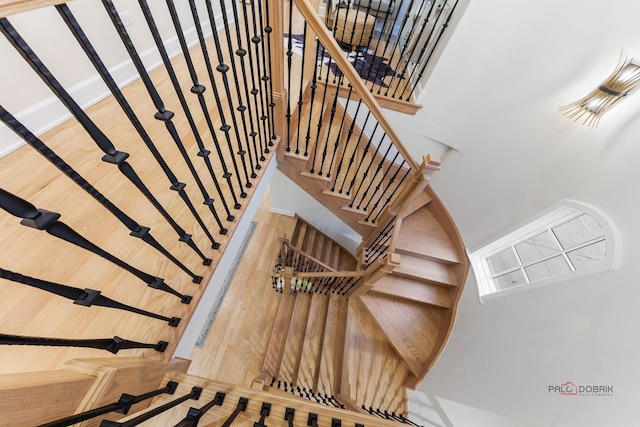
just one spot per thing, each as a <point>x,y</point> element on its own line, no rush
<point>28,311</point>
<point>238,342</point>
<point>236,346</point>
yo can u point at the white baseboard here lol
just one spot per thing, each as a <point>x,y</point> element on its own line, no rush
<point>49,113</point>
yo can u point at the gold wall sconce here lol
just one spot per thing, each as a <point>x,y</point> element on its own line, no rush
<point>592,107</point>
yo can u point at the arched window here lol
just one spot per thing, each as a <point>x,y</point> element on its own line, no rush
<point>567,241</point>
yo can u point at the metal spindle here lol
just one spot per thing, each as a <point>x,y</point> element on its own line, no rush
<point>390,197</point>
<point>254,90</point>
<point>192,419</point>
<point>426,61</point>
<point>113,156</point>
<point>337,142</point>
<point>47,221</point>
<point>334,107</point>
<point>366,170</point>
<point>112,345</point>
<point>197,89</point>
<point>403,52</point>
<point>319,126</point>
<point>176,185</point>
<point>314,86</point>
<point>346,146</point>
<point>300,103</point>
<point>241,53</point>
<point>122,406</point>
<point>241,108</point>
<point>261,77</point>
<point>223,68</point>
<point>83,297</point>
<point>144,233</point>
<point>380,182</point>
<point>194,394</point>
<point>162,114</point>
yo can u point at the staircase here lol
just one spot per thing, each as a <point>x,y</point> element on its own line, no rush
<point>328,345</point>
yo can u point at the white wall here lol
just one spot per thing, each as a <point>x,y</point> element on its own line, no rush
<point>433,411</point>
<point>494,97</point>
<point>24,95</point>
<point>287,198</point>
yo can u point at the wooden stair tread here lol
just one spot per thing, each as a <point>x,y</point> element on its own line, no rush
<point>425,270</point>
<point>377,373</point>
<point>421,200</point>
<point>413,290</point>
<point>332,346</point>
<point>314,335</point>
<point>295,339</point>
<point>422,235</point>
<point>273,356</point>
<point>412,328</point>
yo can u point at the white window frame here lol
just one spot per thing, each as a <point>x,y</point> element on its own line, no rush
<point>557,214</point>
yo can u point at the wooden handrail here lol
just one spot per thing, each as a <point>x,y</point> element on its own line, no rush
<point>306,255</point>
<point>330,44</point>
<point>11,7</point>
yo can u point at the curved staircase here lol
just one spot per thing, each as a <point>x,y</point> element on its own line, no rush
<point>362,351</point>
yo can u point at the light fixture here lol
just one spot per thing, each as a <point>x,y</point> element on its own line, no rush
<point>590,108</point>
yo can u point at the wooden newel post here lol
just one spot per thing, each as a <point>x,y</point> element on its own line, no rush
<point>288,275</point>
<point>380,268</point>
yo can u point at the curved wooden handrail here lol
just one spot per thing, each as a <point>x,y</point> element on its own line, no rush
<point>330,44</point>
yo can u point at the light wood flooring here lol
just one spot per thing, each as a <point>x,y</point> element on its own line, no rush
<point>238,342</point>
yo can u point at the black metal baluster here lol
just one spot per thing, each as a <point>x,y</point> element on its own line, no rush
<point>112,345</point>
<point>314,86</point>
<point>41,219</point>
<point>312,420</point>
<point>176,185</point>
<point>403,52</point>
<point>289,61</point>
<point>122,406</point>
<point>337,143</point>
<point>194,394</point>
<point>288,416</point>
<point>119,158</point>
<point>223,68</point>
<point>359,168</point>
<point>355,150</point>
<point>254,90</point>
<point>390,196</point>
<point>183,102</point>
<point>426,61</point>
<point>386,45</point>
<point>300,103</point>
<point>404,178</point>
<point>334,107</point>
<point>225,170</point>
<point>400,31</point>
<point>346,144</point>
<point>162,114</point>
<point>319,126</point>
<point>241,407</point>
<point>266,78</point>
<point>265,410</point>
<point>193,416</point>
<point>375,51</point>
<point>240,108</point>
<point>241,53</point>
<point>257,43</point>
<point>380,182</point>
<point>199,89</point>
<point>268,29</point>
<point>136,229</point>
<point>366,50</point>
<point>84,297</point>
<point>425,22</point>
